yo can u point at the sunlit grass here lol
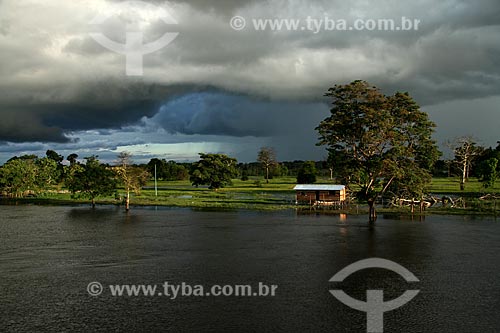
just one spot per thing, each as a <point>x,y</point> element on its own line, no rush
<point>452,186</point>
<point>256,194</point>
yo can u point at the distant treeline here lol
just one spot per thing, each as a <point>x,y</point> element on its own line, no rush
<point>31,174</point>
<point>171,170</point>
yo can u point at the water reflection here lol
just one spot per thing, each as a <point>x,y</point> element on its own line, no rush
<point>87,214</point>
<point>404,217</point>
<point>49,255</point>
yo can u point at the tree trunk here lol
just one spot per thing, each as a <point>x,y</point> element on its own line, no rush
<point>93,202</point>
<point>467,171</point>
<point>331,174</point>
<point>267,175</point>
<point>127,201</point>
<point>464,176</point>
<point>372,212</point>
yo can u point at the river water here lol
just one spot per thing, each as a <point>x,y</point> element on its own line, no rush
<point>49,255</point>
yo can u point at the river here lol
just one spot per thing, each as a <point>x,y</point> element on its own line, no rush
<point>49,255</point>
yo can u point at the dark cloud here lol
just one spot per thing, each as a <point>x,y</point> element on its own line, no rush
<point>236,115</point>
<point>27,127</point>
<point>48,121</point>
<point>219,5</point>
<point>213,6</point>
<point>62,110</point>
<point>56,82</point>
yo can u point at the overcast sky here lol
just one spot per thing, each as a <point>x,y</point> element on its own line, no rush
<point>216,89</point>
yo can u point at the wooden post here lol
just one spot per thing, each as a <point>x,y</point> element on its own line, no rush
<point>156,184</point>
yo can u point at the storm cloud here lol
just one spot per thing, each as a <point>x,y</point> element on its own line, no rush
<point>57,83</point>
<point>235,115</point>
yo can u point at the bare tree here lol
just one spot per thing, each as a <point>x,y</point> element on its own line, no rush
<point>330,162</point>
<point>133,178</point>
<point>465,149</point>
<point>267,157</point>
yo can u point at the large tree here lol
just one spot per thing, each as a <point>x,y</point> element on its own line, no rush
<point>215,170</point>
<point>51,154</point>
<point>72,158</point>
<point>18,176</point>
<point>485,167</point>
<point>167,170</point>
<point>49,172</point>
<point>380,140</point>
<point>488,172</point>
<point>91,180</point>
<point>267,157</point>
<point>307,173</point>
<point>28,175</point>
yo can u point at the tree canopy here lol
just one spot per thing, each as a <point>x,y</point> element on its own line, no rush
<point>214,170</point>
<point>28,174</point>
<point>167,170</point>
<point>488,172</point>
<point>90,180</point>
<point>307,174</point>
<point>378,140</point>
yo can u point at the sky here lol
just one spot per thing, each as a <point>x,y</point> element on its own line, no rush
<point>219,89</point>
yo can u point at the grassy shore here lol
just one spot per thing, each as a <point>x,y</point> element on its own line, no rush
<point>277,195</point>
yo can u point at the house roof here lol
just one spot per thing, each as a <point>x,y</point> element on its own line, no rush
<point>313,187</point>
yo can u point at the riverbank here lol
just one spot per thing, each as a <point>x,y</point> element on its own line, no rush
<point>354,210</point>
<point>255,194</point>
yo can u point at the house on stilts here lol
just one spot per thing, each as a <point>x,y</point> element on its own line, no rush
<point>320,195</point>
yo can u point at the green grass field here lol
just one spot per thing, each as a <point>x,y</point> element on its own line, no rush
<point>278,194</point>
<point>251,194</point>
<point>452,186</point>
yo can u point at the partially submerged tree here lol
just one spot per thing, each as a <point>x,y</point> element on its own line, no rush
<point>381,140</point>
<point>133,178</point>
<point>123,172</point>
<point>215,170</point>
<point>90,180</point>
<point>267,157</point>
